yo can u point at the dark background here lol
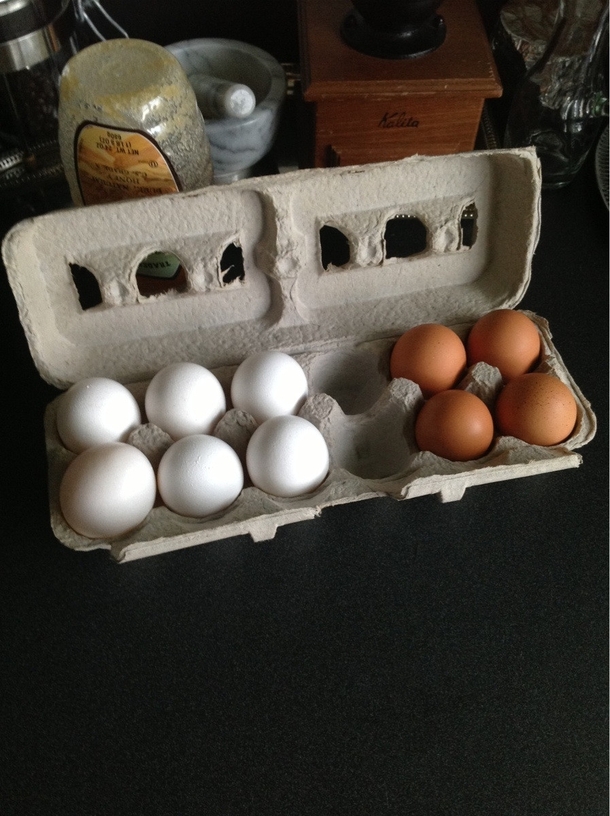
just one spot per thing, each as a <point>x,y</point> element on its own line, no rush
<point>385,658</point>
<point>270,24</point>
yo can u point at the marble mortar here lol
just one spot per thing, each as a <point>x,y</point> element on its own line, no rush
<point>236,145</point>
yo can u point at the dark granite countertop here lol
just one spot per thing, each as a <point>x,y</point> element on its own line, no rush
<point>385,658</point>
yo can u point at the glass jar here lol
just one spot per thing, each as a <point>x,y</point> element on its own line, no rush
<point>36,41</point>
<point>37,38</point>
<point>561,102</point>
<point>518,41</point>
<point>129,125</point>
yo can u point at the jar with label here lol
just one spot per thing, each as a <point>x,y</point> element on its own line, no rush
<point>130,127</point>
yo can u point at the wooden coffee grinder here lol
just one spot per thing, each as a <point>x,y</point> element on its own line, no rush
<point>385,79</point>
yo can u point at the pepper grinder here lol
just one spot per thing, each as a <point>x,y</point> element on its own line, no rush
<point>37,38</point>
<point>394,29</point>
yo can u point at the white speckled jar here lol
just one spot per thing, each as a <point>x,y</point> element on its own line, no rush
<point>129,125</point>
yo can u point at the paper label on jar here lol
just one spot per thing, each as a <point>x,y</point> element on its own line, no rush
<point>114,164</point>
<point>160,265</point>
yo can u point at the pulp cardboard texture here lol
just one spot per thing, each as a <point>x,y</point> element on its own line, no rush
<point>339,322</point>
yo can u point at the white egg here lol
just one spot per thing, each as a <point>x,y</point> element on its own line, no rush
<point>199,475</point>
<point>95,411</point>
<point>107,490</point>
<point>184,399</point>
<point>287,456</point>
<point>269,384</point>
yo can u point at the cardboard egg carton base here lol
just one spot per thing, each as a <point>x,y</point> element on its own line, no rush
<point>339,322</point>
<point>373,452</point>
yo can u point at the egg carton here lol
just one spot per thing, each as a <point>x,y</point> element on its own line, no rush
<point>329,266</point>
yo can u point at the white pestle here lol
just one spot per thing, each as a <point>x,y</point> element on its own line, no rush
<point>218,98</point>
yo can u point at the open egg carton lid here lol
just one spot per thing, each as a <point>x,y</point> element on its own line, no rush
<point>334,264</point>
<point>286,299</point>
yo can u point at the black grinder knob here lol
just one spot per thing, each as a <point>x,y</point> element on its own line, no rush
<point>394,29</point>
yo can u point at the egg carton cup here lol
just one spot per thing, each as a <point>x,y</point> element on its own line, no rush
<point>338,320</point>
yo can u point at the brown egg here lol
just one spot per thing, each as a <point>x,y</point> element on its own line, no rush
<point>431,355</point>
<point>506,339</point>
<point>456,425</point>
<point>537,408</point>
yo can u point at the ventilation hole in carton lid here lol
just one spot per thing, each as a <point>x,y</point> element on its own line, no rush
<point>468,226</point>
<point>334,246</point>
<point>405,235</point>
<point>87,287</point>
<point>232,265</point>
<point>161,272</point>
